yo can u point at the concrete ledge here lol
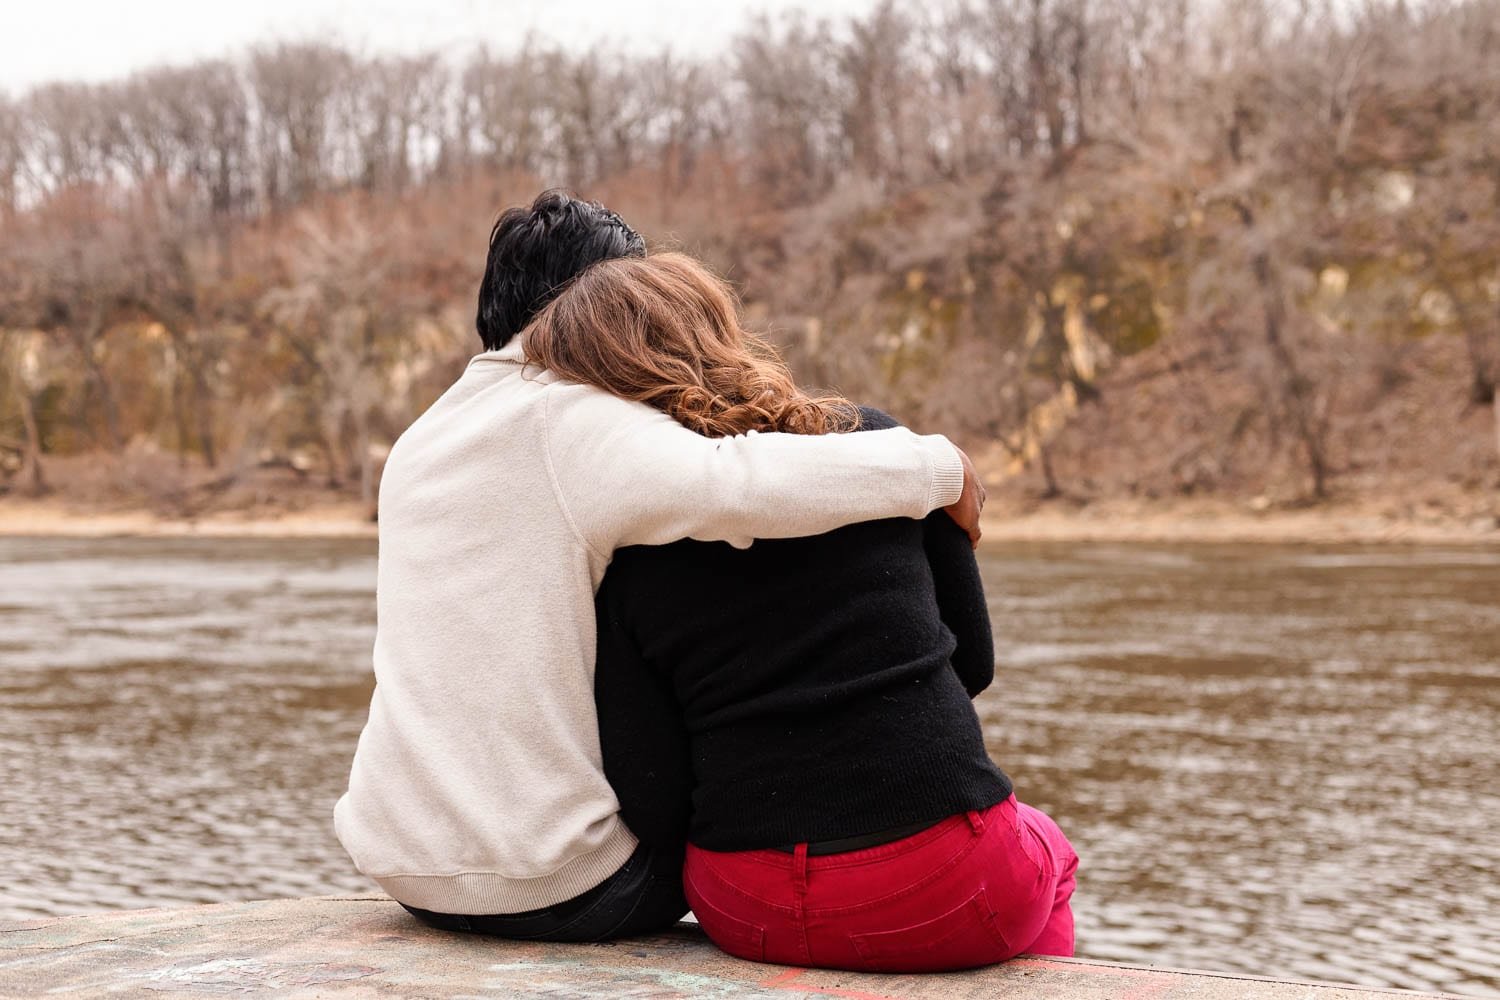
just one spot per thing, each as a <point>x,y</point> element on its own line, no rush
<point>366,946</point>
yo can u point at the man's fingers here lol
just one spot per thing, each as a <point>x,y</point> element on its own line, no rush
<point>970,502</point>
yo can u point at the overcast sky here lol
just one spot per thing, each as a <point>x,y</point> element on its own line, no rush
<point>42,40</point>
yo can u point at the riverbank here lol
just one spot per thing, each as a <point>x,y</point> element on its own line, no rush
<point>23,518</point>
<point>1220,521</point>
<point>1179,521</point>
<point>366,946</point>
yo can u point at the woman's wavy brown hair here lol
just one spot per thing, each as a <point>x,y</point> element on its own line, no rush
<point>664,330</point>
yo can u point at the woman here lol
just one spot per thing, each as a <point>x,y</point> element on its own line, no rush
<point>799,710</point>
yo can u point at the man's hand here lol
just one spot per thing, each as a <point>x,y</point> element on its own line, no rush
<point>970,501</point>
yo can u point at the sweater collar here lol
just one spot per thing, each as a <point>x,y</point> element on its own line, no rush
<point>512,352</point>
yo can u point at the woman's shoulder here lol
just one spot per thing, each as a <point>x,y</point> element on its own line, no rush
<point>871,419</point>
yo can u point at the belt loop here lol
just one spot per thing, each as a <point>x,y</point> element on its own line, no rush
<point>976,822</point>
<point>799,873</point>
<point>799,887</point>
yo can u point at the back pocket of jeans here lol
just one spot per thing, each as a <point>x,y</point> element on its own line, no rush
<point>740,938</point>
<point>962,938</point>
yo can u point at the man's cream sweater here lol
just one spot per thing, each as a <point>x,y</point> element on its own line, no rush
<point>477,785</point>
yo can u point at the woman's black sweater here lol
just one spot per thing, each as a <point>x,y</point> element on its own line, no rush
<point>803,689</point>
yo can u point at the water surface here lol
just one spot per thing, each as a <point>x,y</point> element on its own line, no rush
<point>1282,761</point>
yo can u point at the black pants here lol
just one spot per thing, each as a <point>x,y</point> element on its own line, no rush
<point>645,895</point>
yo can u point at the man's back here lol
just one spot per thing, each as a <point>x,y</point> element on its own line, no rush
<point>481,662</point>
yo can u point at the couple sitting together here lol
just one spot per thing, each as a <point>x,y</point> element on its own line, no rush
<point>598,704</point>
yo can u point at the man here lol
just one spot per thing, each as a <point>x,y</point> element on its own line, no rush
<point>477,797</point>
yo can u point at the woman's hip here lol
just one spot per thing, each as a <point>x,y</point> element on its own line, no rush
<point>971,890</point>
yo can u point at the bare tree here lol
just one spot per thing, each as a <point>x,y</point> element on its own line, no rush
<point>790,111</point>
<point>12,151</point>
<point>296,88</point>
<point>69,135</point>
<point>328,315</point>
<point>502,112</point>
<point>23,353</point>
<point>874,68</point>
<point>398,116</point>
<point>982,201</point>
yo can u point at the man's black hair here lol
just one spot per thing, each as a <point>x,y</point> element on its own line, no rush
<point>535,251</point>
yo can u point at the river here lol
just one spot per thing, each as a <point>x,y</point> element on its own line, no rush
<point>1279,761</point>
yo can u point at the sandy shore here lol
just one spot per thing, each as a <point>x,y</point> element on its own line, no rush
<point>20,518</point>
<point>1225,522</point>
<point>1106,521</point>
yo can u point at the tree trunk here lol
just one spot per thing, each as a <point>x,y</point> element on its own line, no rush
<point>1483,348</point>
<point>32,460</point>
<point>1485,366</point>
<point>1031,433</point>
<point>1052,491</point>
<point>366,464</point>
<point>83,342</point>
<point>1496,405</point>
<point>203,415</point>
<point>1292,384</point>
<point>330,440</point>
<point>179,416</point>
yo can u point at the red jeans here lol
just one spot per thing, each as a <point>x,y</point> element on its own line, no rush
<point>975,889</point>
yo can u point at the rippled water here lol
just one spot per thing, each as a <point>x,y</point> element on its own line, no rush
<point>1276,761</point>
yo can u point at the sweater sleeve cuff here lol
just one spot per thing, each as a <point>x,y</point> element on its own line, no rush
<point>947,471</point>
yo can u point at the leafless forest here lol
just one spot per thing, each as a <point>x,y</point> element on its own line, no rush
<point>1120,247</point>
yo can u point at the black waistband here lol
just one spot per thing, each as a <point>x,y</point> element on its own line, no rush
<point>846,844</point>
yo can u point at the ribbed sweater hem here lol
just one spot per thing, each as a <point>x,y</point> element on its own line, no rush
<point>477,893</point>
<point>947,472</point>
